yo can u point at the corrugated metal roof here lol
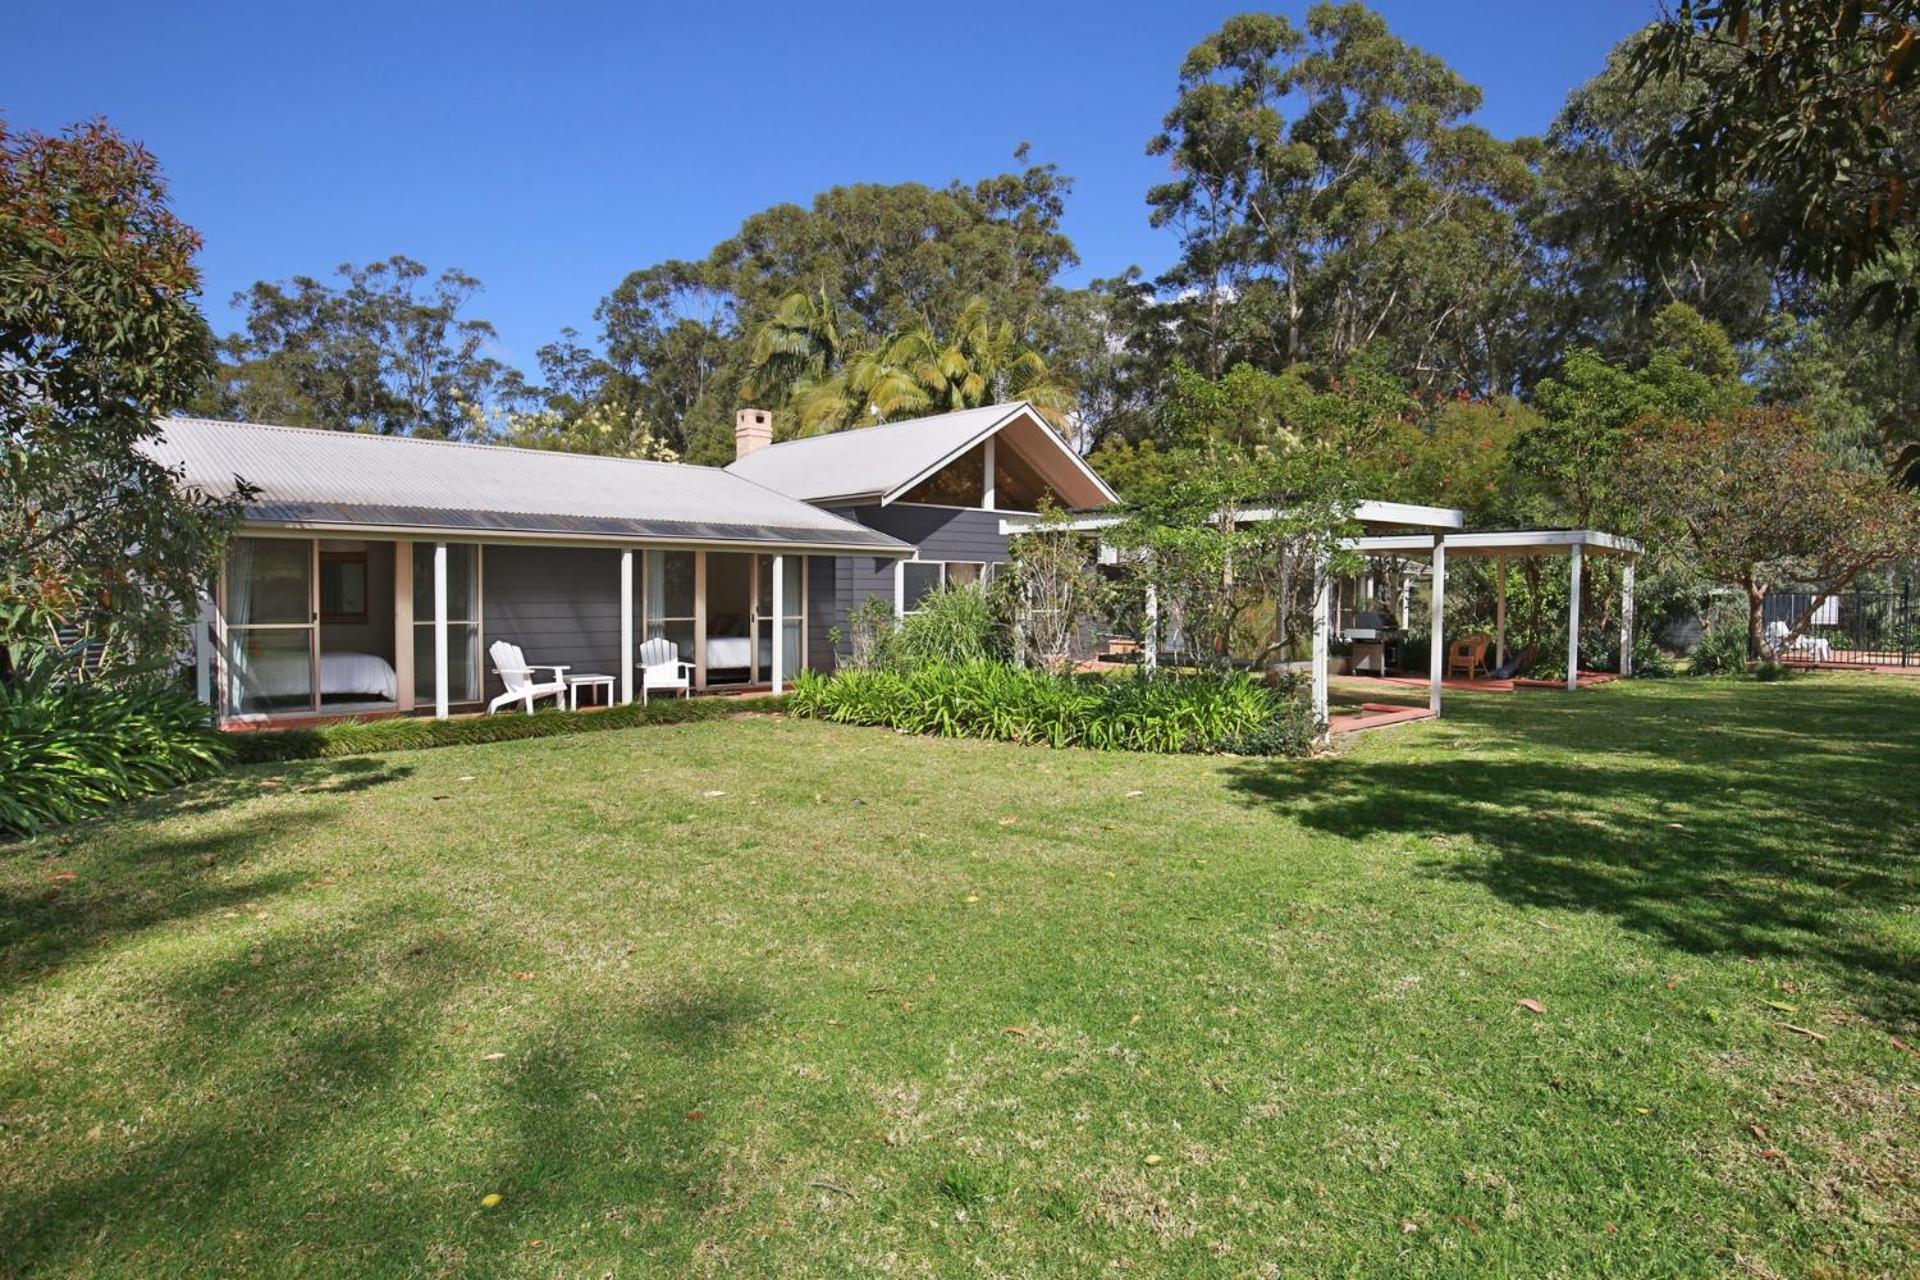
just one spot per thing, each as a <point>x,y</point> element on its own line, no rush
<point>871,461</point>
<point>310,477</point>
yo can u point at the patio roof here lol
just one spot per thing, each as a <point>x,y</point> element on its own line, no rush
<point>1370,513</point>
<point>1502,543</point>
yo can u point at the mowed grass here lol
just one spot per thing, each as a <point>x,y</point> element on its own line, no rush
<point>771,997</point>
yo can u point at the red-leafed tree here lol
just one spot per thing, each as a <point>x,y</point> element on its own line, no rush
<point>1757,501</point>
<point>99,337</point>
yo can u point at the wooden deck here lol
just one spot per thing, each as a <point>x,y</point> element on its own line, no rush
<point>1481,684</point>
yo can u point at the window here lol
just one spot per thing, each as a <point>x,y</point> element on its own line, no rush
<point>343,586</point>
<point>919,578</point>
<point>1016,485</point>
<point>961,483</point>
<point>669,600</point>
<point>463,622</point>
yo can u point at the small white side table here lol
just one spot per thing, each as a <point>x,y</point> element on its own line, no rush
<point>577,683</point>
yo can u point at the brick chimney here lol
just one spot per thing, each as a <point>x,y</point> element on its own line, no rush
<point>752,431</point>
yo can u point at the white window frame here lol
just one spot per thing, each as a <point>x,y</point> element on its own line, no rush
<point>900,609</point>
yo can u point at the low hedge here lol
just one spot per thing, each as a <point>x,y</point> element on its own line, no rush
<point>1167,713</point>
<point>272,746</point>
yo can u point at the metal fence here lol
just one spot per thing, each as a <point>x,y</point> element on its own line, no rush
<point>1853,628</point>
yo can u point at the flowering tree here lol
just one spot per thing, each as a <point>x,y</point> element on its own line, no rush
<point>1055,590</point>
<point>1758,502</point>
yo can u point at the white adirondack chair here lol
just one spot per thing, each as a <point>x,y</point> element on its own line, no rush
<point>511,666</point>
<point>661,668</point>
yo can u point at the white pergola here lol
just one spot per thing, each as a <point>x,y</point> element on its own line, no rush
<point>1501,546</point>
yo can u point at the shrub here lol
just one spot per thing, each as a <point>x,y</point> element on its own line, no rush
<point>1194,713</point>
<point>409,734</point>
<point>1650,661</point>
<point>952,624</point>
<point>70,749</point>
<point>1722,651</point>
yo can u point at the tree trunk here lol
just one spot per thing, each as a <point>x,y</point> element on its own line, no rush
<point>1756,620</point>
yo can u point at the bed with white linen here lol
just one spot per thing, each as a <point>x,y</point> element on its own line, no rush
<point>343,673</point>
<point>731,653</point>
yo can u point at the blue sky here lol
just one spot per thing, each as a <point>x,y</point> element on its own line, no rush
<point>550,149</point>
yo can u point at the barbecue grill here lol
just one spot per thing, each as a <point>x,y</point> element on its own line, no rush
<point>1376,639</point>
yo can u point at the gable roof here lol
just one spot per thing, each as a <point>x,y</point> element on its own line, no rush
<point>318,479</point>
<point>878,464</point>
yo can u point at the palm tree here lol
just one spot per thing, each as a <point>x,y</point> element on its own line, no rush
<point>915,373</point>
<point>799,343</point>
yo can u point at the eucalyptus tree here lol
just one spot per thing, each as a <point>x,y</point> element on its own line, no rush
<point>388,350</point>
<point>1329,193</point>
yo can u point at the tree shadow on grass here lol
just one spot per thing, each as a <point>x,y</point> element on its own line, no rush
<point>80,891</point>
<point>312,1061</point>
<point>1749,825</point>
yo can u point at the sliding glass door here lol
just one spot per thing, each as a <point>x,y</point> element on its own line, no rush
<point>464,670</point>
<point>271,626</point>
<point>668,590</point>
<point>788,626</point>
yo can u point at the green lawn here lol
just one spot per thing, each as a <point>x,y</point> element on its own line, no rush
<point>769,997</point>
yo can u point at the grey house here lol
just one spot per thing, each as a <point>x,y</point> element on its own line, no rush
<point>370,574</point>
<point>948,486</point>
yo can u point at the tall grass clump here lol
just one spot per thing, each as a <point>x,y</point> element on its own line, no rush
<point>1188,713</point>
<point>69,749</point>
<point>955,624</point>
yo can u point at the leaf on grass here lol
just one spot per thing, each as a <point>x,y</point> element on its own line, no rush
<point>1531,1006</point>
<point>973,897</point>
<point>1409,1226</point>
<point>1808,1032</point>
<point>1016,1031</point>
<point>1902,1045</point>
<point>1132,794</point>
<point>696,1115</point>
<point>1759,1131</point>
<point>713,795</point>
<point>1151,1161</point>
<point>525,975</point>
<point>1009,822</point>
<point>492,1057</point>
<point>1775,1004</point>
<point>63,877</point>
<point>490,1200</point>
<point>443,797</point>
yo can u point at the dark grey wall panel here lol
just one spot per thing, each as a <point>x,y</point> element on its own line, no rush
<point>559,604</point>
<point>822,602</point>
<point>941,533</point>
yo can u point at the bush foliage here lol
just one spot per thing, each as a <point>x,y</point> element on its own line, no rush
<point>1191,713</point>
<point>69,749</point>
<point>409,734</point>
<point>1722,650</point>
<point>953,625</point>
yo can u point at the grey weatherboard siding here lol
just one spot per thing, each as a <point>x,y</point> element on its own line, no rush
<point>940,533</point>
<point>559,604</point>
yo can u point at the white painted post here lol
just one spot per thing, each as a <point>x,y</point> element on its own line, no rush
<point>1437,646</point>
<point>1500,612</point>
<point>1152,638</point>
<point>899,589</point>
<point>439,631</point>
<point>988,459</point>
<point>779,622</point>
<point>1626,617</point>
<point>626,624</point>
<point>1322,586</point>
<point>203,651</point>
<point>1573,619</point>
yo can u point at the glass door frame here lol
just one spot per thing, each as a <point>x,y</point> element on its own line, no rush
<point>761,613</point>
<point>227,709</point>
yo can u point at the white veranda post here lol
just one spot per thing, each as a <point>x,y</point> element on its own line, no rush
<point>1322,586</point>
<point>1626,617</point>
<point>1573,618</point>
<point>439,631</point>
<point>1152,655</point>
<point>1437,646</point>
<point>1500,612</point>
<point>626,625</point>
<point>779,621</point>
